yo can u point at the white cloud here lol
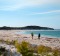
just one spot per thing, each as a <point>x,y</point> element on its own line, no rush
<point>54,11</point>
<point>16,4</point>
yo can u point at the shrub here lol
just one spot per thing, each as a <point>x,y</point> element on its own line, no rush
<point>2,50</point>
<point>43,50</point>
<point>24,49</point>
<point>56,52</point>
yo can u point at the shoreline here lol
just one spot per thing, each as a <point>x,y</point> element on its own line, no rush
<point>49,36</point>
<point>44,40</point>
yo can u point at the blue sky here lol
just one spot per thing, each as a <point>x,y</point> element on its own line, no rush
<point>30,12</point>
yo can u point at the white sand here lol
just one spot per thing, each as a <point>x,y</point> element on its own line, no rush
<point>11,35</point>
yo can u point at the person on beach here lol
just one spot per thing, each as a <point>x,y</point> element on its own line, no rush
<point>39,36</point>
<point>32,35</point>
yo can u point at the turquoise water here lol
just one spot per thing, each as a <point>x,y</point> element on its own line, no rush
<point>53,33</point>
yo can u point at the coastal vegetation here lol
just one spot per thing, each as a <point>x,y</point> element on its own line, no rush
<point>24,48</point>
<point>27,49</point>
<point>3,51</point>
<point>26,28</point>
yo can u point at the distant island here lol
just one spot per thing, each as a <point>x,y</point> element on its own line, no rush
<point>26,28</point>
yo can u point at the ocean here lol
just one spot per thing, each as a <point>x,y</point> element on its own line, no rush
<point>50,33</point>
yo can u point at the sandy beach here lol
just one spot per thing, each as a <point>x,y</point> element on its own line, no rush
<point>46,41</point>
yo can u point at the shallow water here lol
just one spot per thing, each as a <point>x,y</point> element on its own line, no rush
<point>53,33</point>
